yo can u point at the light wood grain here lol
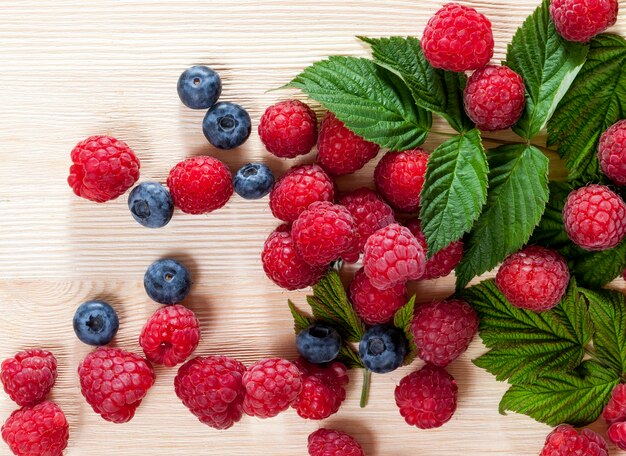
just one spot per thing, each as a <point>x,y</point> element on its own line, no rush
<point>70,69</point>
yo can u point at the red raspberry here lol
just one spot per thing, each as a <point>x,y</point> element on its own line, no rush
<point>322,389</point>
<point>595,217</point>
<point>399,178</point>
<point>617,435</point>
<point>103,168</point>
<point>114,382</point>
<point>615,410</point>
<point>535,278</point>
<point>271,385</point>
<point>443,330</point>
<point>200,184</point>
<point>339,151</point>
<point>565,441</point>
<point>375,306</point>
<point>288,129</point>
<point>458,38</point>
<point>41,430</point>
<point>495,97</point>
<point>298,189</point>
<point>170,335</point>
<point>393,256</point>
<point>29,376</point>
<point>427,397</point>
<point>328,442</point>
<point>211,387</point>
<point>581,20</point>
<point>612,153</point>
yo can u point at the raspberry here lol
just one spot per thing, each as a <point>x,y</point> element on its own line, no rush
<point>29,376</point>
<point>581,20</point>
<point>271,385</point>
<point>595,217</point>
<point>375,306</point>
<point>458,38</point>
<point>339,151</point>
<point>103,168</point>
<point>288,129</point>
<point>399,178</point>
<point>211,387</point>
<point>495,97</point>
<point>617,435</point>
<point>615,410</point>
<point>114,382</point>
<point>322,389</point>
<point>427,397</point>
<point>535,278</point>
<point>393,256</point>
<point>328,442</point>
<point>612,153</point>
<point>565,441</point>
<point>170,335</point>
<point>323,233</point>
<point>443,330</point>
<point>200,184</point>
<point>41,430</point>
<point>297,189</point>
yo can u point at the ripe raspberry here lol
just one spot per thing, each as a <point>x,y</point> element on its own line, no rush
<point>328,442</point>
<point>615,410</point>
<point>581,20</point>
<point>565,441</point>
<point>399,178</point>
<point>612,153</point>
<point>170,335</point>
<point>617,435</point>
<point>297,189</point>
<point>211,387</point>
<point>458,38</point>
<point>535,278</point>
<point>200,184</point>
<point>41,430</point>
<point>595,217</point>
<point>288,129</point>
<point>495,97</point>
<point>271,385</point>
<point>443,330</point>
<point>427,397</point>
<point>442,263</point>
<point>103,168</point>
<point>339,151</point>
<point>322,389</point>
<point>393,256</point>
<point>29,376</point>
<point>375,306</point>
<point>114,382</point>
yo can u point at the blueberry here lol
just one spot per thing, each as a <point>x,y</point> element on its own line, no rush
<point>167,281</point>
<point>95,323</point>
<point>226,125</point>
<point>318,343</point>
<point>253,181</point>
<point>199,87</point>
<point>151,204</point>
<point>382,349</point>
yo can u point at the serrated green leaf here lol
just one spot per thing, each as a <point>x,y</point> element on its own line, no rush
<point>348,356</point>
<point>517,196</point>
<point>550,232</point>
<point>547,63</point>
<point>573,313</point>
<point>576,398</point>
<point>403,319</point>
<point>301,321</point>
<point>596,100</point>
<point>455,190</point>
<point>372,102</point>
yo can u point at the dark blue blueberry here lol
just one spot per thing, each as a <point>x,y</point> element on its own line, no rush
<point>382,349</point>
<point>226,125</point>
<point>253,181</point>
<point>95,323</point>
<point>151,204</point>
<point>199,87</point>
<point>167,281</point>
<point>318,343</point>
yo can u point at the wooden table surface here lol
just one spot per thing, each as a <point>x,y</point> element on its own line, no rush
<point>70,69</point>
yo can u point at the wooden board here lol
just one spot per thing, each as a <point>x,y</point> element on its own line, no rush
<point>70,69</point>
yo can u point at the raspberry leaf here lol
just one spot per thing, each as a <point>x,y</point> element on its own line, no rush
<point>403,319</point>
<point>349,357</point>
<point>301,321</point>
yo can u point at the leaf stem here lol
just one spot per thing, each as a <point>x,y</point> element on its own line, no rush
<point>365,391</point>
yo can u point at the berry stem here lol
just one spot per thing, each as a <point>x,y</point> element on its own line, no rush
<point>365,391</point>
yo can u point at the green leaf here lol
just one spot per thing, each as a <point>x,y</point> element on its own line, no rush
<point>373,102</point>
<point>403,319</point>
<point>550,232</point>
<point>350,357</point>
<point>547,63</point>
<point>301,321</point>
<point>517,196</point>
<point>455,190</point>
<point>596,100</point>
<point>576,398</point>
